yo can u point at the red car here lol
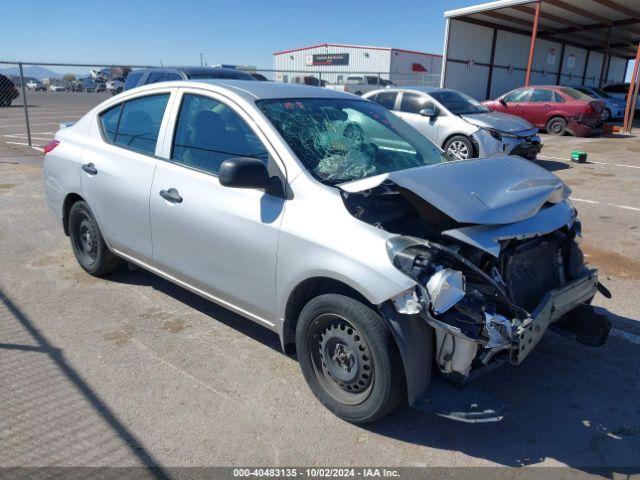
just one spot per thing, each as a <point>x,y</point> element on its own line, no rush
<point>552,108</point>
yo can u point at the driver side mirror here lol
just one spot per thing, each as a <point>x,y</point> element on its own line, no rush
<point>429,111</point>
<point>502,102</point>
<point>244,172</point>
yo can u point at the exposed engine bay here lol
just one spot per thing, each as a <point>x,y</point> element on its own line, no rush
<point>489,291</point>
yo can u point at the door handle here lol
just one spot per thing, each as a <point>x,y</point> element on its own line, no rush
<point>90,168</point>
<point>171,195</point>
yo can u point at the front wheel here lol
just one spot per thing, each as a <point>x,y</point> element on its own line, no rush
<point>459,147</point>
<point>349,358</point>
<point>88,245</point>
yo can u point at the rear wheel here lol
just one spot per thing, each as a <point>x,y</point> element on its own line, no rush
<point>349,358</point>
<point>88,245</point>
<point>556,126</point>
<point>460,147</point>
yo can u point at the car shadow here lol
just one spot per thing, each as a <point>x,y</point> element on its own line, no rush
<point>552,165</point>
<point>568,402</point>
<point>139,276</point>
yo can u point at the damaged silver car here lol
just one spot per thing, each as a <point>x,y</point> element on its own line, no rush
<point>331,221</point>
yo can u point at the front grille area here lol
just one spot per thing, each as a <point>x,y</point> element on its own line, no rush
<point>530,270</point>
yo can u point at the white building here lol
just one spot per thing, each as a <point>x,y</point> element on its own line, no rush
<point>333,63</point>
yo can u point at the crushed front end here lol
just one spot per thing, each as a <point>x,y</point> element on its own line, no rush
<point>488,310</point>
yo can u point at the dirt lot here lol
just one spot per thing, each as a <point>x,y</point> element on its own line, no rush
<point>133,370</point>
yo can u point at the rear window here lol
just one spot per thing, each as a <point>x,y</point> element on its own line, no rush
<point>575,94</point>
<point>132,80</point>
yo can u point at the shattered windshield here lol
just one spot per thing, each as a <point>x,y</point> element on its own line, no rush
<point>339,140</point>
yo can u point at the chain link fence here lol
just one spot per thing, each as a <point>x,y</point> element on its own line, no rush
<point>35,98</point>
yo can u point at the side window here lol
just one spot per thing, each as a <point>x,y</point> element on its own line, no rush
<point>557,98</point>
<point>413,103</point>
<point>541,95</point>
<point>132,80</point>
<point>208,133</point>
<point>140,123</point>
<point>372,80</point>
<point>386,99</point>
<point>517,95</point>
<point>109,122</point>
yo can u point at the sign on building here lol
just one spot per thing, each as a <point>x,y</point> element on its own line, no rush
<point>327,59</point>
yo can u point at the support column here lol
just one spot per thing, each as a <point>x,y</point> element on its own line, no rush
<point>633,92</point>
<point>491,62</point>
<point>532,46</point>
<point>604,58</point>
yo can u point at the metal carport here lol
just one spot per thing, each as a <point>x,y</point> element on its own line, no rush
<point>586,42</point>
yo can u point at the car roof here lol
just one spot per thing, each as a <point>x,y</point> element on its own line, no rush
<point>253,90</point>
<point>417,89</point>
<point>195,70</point>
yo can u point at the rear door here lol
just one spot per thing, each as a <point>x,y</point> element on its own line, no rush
<point>219,240</point>
<point>409,110</point>
<point>118,170</point>
<point>542,102</point>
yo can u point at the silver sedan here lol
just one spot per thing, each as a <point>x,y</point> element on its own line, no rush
<point>460,125</point>
<point>334,223</point>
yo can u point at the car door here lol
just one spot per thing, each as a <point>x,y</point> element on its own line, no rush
<point>118,169</point>
<point>541,103</point>
<point>514,102</point>
<point>409,108</point>
<point>218,240</point>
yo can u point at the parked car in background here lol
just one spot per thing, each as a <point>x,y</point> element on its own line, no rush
<point>613,106</point>
<point>621,90</point>
<point>459,124</point>
<point>334,223</point>
<point>147,76</point>
<point>57,88</point>
<point>8,91</point>
<point>115,86</point>
<point>361,84</point>
<point>91,85</point>
<point>259,77</point>
<point>309,80</point>
<point>34,85</point>
<point>553,108</point>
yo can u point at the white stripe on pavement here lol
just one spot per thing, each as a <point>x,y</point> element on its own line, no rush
<point>594,202</point>
<point>590,161</point>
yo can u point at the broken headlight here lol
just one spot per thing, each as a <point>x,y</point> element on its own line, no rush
<point>446,288</point>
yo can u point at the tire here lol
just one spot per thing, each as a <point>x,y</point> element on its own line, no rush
<point>87,242</point>
<point>349,358</point>
<point>607,115</point>
<point>556,126</point>
<point>460,147</point>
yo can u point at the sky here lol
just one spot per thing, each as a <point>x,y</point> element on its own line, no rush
<point>226,32</point>
<point>236,32</point>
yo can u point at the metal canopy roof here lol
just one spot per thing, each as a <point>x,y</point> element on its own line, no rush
<point>583,23</point>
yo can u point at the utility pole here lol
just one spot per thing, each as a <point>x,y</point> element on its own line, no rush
<point>201,61</point>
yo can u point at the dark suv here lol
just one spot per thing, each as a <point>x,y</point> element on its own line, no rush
<point>8,91</point>
<point>137,78</point>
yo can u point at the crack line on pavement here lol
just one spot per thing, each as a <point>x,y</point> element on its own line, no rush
<point>180,370</point>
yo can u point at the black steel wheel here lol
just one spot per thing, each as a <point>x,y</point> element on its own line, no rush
<point>87,243</point>
<point>349,358</point>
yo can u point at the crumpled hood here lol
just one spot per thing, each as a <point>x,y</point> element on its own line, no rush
<point>500,121</point>
<point>487,191</point>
